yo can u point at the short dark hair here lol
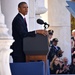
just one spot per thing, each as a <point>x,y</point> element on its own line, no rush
<point>21,3</point>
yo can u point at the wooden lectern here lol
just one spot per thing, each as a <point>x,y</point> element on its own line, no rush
<point>36,48</point>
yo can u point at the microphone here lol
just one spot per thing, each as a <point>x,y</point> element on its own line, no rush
<point>39,21</point>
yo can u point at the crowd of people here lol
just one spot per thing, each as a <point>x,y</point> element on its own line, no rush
<point>59,65</point>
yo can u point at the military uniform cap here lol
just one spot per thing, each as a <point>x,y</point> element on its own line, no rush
<point>50,32</point>
<point>55,40</point>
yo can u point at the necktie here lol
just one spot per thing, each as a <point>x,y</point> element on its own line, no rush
<point>25,20</point>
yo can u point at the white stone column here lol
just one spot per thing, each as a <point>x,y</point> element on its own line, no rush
<point>40,9</point>
<point>31,15</point>
<point>5,42</point>
<point>59,20</point>
<point>34,14</point>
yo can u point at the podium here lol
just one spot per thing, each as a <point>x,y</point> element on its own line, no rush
<point>36,48</point>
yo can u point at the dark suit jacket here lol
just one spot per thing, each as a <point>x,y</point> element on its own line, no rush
<point>53,51</point>
<point>19,31</point>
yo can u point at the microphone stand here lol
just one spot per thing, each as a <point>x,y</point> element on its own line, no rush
<point>45,26</point>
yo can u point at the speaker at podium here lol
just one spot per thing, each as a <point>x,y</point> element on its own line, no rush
<point>36,48</point>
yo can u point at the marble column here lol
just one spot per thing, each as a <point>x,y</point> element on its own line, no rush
<point>34,14</point>
<point>59,20</point>
<point>40,9</point>
<point>5,42</point>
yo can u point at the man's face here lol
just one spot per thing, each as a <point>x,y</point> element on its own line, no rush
<point>73,34</point>
<point>65,60</point>
<point>50,36</point>
<point>55,43</point>
<point>23,9</point>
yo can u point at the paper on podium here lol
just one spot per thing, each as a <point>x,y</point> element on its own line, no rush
<point>36,45</point>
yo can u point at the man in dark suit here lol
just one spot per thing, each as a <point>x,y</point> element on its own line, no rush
<point>19,31</point>
<point>54,49</point>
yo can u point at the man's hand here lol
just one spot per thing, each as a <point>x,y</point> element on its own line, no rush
<point>43,32</point>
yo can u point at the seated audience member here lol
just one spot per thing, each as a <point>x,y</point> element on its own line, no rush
<point>66,66</point>
<point>73,50</point>
<point>65,61</point>
<point>54,65</point>
<point>73,41</point>
<point>73,54</point>
<point>72,44</point>
<point>73,33</point>
<point>54,50</point>
<point>57,66</point>
<point>61,66</point>
<point>72,67</point>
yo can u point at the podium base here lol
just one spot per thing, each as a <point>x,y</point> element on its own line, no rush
<point>36,58</point>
